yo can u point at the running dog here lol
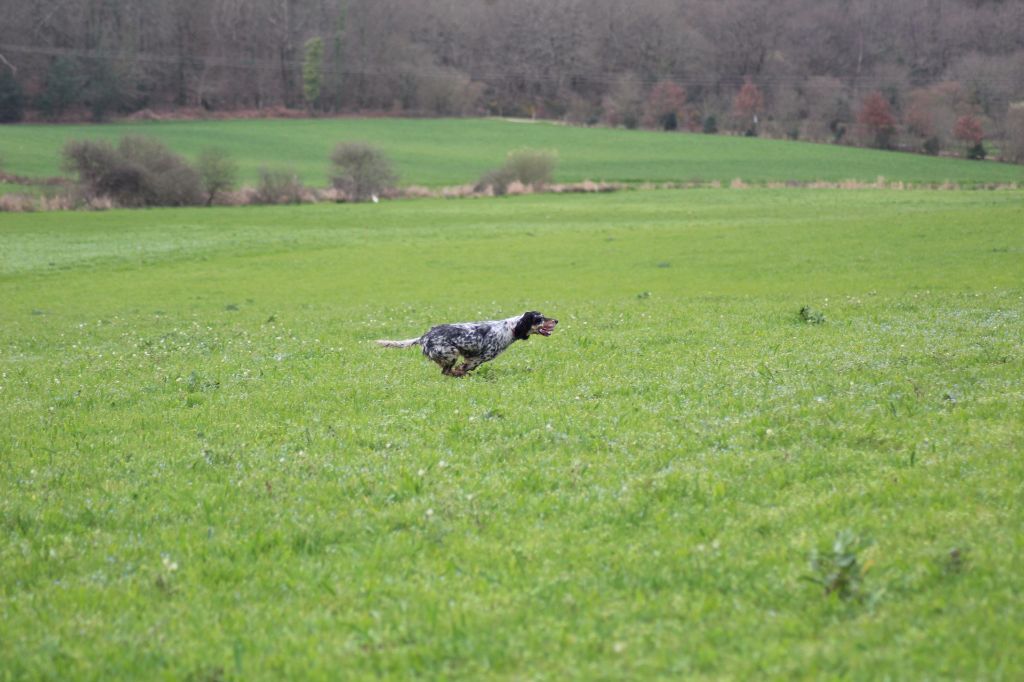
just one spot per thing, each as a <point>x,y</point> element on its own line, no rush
<point>476,342</point>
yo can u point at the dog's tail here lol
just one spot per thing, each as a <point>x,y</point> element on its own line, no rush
<point>399,344</point>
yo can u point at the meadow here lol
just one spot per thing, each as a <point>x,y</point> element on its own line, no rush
<point>444,152</point>
<point>210,472</point>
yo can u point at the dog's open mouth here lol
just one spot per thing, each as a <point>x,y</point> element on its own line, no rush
<point>546,328</point>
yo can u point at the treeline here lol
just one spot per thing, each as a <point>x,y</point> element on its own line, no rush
<point>806,69</point>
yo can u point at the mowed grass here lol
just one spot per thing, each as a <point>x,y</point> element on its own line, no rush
<point>210,472</point>
<point>443,152</point>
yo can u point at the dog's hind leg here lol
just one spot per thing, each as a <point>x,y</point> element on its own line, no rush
<point>444,356</point>
<point>467,366</point>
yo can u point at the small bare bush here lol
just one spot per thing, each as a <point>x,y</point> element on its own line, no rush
<point>278,186</point>
<point>218,172</point>
<point>361,171</point>
<point>495,180</point>
<point>531,168</point>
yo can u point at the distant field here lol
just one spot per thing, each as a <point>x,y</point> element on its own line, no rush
<point>208,471</point>
<point>458,151</point>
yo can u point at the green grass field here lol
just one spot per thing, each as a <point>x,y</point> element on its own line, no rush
<point>457,151</point>
<point>210,472</point>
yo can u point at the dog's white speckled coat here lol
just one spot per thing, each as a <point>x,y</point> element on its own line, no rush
<point>476,342</point>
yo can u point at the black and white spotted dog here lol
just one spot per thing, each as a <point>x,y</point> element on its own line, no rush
<point>476,342</point>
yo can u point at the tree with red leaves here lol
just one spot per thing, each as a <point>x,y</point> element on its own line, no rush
<point>666,105</point>
<point>876,116</point>
<point>969,131</point>
<point>748,103</point>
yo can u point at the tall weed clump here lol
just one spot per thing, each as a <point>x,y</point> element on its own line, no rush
<point>138,172</point>
<point>839,569</point>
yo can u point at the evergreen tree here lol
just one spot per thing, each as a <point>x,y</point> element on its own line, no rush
<point>12,98</point>
<point>61,89</point>
<point>312,68</point>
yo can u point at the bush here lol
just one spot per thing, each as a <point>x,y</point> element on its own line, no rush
<point>361,171</point>
<point>932,146</point>
<point>531,167</point>
<point>217,172</point>
<point>170,179</point>
<point>498,179</point>
<point>710,125</point>
<point>139,172</point>
<point>278,186</point>
<point>977,152</point>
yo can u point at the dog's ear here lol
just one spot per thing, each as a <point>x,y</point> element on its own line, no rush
<point>522,329</point>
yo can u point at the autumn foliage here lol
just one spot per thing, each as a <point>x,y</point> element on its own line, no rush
<point>968,130</point>
<point>876,117</point>
<point>666,105</point>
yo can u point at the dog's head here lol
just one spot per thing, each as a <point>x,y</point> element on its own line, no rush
<point>533,323</point>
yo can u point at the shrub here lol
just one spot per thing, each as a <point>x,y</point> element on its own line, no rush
<point>710,125</point>
<point>530,167</point>
<point>170,179</point>
<point>278,186</point>
<point>932,146</point>
<point>218,173</point>
<point>498,179</point>
<point>139,172</point>
<point>977,152</point>
<point>361,171</point>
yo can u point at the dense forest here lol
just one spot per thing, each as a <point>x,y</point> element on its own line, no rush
<point>917,74</point>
